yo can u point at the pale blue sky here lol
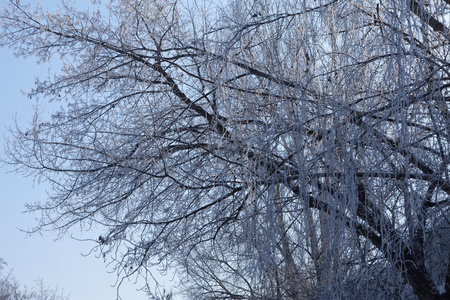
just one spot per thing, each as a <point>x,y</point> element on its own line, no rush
<point>57,262</point>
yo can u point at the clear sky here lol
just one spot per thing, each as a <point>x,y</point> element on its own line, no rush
<point>59,263</point>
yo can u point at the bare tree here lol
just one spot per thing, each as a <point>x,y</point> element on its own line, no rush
<point>11,289</point>
<point>265,150</point>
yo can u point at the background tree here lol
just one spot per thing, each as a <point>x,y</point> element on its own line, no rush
<point>265,150</point>
<point>10,288</point>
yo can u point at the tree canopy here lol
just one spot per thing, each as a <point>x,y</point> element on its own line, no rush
<point>262,149</point>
